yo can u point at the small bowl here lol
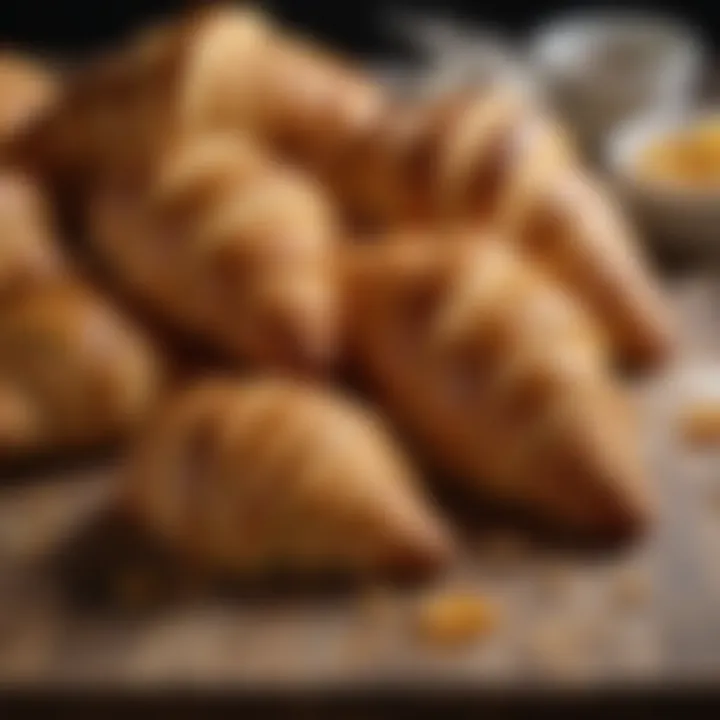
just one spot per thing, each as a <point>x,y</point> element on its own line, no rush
<point>677,216</point>
<point>599,70</point>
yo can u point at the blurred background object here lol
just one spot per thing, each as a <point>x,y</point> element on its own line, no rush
<point>667,167</point>
<point>446,43</point>
<point>76,25</point>
<point>601,69</point>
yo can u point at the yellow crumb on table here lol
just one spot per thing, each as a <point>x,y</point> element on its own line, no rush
<point>456,619</point>
<point>700,423</point>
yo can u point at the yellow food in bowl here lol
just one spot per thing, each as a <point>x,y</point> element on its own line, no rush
<point>690,157</point>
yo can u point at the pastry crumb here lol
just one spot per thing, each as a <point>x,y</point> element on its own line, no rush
<point>456,619</point>
<point>700,423</point>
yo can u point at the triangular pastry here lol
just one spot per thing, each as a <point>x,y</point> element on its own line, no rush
<point>262,475</point>
<point>73,371</point>
<point>499,376</point>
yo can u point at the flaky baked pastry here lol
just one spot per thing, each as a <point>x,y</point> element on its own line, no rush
<point>499,376</point>
<point>73,372</point>
<point>491,160</point>
<point>486,156</point>
<point>262,475</point>
<point>231,247</point>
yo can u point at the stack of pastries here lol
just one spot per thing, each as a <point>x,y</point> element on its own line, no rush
<point>271,202</point>
<point>75,371</point>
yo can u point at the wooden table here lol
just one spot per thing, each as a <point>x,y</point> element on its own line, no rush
<point>78,605</point>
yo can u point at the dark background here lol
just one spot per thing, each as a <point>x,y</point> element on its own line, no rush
<point>77,26</point>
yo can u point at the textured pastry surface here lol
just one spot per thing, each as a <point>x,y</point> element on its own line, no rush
<point>484,156</point>
<point>498,374</point>
<point>199,221</point>
<point>271,474</point>
<point>230,246</point>
<point>72,371</point>
<point>489,158</point>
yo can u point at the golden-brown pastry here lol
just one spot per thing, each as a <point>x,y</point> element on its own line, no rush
<point>486,156</point>
<point>27,88</point>
<point>243,72</point>
<point>217,70</point>
<point>498,374</point>
<point>475,157</point>
<point>489,158</point>
<point>255,476</point>
<point>73,371</point>
<point>231,247</point>
<point>29,254</point>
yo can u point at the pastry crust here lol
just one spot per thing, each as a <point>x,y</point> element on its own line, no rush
<point>231,247</point>
<point>499,376</point>
<point>258,476</point>
<point>485,156</point>
<point>73,372</point>
<point>490,159</point>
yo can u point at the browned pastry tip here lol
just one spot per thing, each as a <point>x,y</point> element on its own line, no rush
<point>27,88</point>
<point>222,69</point>
<point>573,228</point>
<point>112,116</point>
<point>244,73</point>
<point>255,476</point>
<point>499,375</point>
<point>73,371</point>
